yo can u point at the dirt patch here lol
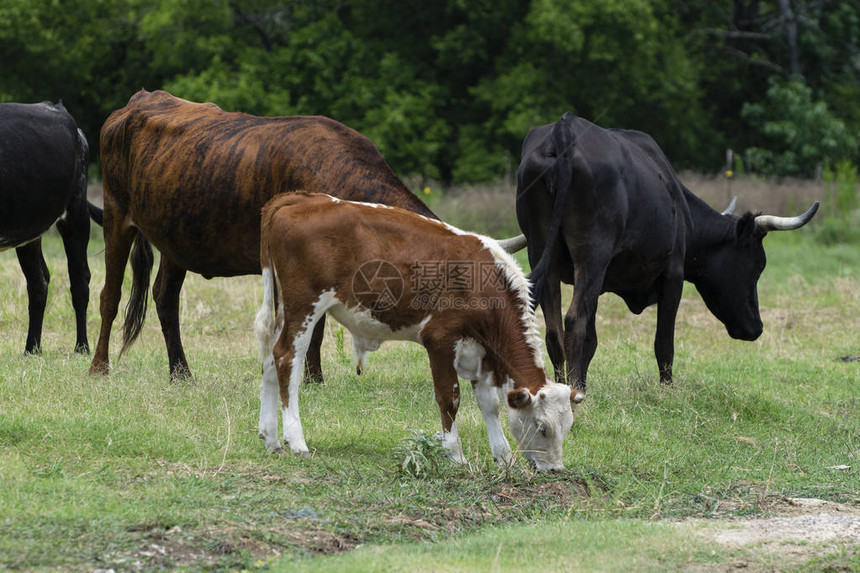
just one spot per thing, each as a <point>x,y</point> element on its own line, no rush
<point>804,529</point>
<point>225,546</point>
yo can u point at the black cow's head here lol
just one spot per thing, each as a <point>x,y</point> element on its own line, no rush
<point>727,271</point>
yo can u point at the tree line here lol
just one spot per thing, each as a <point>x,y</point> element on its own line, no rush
<point>447,89</point>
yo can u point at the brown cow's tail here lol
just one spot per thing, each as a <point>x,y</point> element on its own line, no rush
<point>558,180</point>
<point>135,311</point>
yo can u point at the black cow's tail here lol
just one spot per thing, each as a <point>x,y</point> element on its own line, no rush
<point>557,179</point>
<point>96,214</point>
<point>135,311</point>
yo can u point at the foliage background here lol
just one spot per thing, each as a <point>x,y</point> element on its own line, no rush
<point>448,89</point>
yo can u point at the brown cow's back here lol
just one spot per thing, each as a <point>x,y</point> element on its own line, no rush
<point>193,178</point>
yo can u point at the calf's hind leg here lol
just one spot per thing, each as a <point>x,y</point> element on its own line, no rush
<point>282,365</point>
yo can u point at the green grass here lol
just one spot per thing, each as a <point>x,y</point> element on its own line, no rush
<point>130,470</point>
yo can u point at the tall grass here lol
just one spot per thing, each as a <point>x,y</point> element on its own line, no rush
<point>131,471</point>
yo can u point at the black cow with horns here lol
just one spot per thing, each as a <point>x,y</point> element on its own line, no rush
<point>43,180</point>
<point>602,209</point>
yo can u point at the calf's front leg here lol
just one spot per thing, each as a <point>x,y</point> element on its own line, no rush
<point>446,388</point>
<point>487,396</point>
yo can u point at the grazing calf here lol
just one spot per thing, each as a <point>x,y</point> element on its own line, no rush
<point>43,180</point>
<point>388,274</point>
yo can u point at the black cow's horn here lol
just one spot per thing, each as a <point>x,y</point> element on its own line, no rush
<point>731,208</point>
<point>767,223</point>
<point>513,244</point>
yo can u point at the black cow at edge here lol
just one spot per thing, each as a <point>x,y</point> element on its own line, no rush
<point>603,210</point>
<point>43,180</point>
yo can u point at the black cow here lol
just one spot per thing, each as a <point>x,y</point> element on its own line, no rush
<point>43,180</point>
<point>603,210</point>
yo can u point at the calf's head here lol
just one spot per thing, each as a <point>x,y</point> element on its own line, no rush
<point>541,421</point>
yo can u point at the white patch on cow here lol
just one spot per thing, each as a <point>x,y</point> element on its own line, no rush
<point>468,358</point>
<point>362,346</point>
<point>487,396</point>
<point>452,446</point>
<point>370,331</point>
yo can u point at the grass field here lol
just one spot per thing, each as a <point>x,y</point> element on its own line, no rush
<point>131,472</point>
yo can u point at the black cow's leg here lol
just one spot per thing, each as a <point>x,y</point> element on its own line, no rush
<point>313,361</point>
<point>664,340</point>
<point>74,228</point>
<point>580,331</point>
<point>551,305</point>
<point>36,273</point>
<point>165,293</point>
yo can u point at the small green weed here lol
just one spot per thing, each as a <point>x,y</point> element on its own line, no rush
<point>420,454</point>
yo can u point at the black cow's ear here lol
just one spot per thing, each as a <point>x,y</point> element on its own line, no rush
<point>519,398</point>
<point>746,231</point>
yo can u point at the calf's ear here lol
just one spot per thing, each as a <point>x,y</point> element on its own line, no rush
<point>519,398</point>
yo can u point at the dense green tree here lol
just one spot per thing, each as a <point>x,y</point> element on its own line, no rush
<point>448,89</point>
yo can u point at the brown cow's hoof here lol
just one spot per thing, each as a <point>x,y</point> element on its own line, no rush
<point>100,369</point>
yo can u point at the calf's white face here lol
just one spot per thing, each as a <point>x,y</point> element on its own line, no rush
<point>540,423</point>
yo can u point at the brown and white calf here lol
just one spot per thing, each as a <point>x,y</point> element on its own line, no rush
<point>388,274</point>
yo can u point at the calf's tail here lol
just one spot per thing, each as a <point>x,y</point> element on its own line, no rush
<point>558,179</point>
<point>264,324</point>
<point>135,311</point>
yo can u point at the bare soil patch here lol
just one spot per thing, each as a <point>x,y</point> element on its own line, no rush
<point>802,529</point>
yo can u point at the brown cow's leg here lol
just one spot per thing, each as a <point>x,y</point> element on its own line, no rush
<point>165,293</point>
<point>313,363</point>
<point>37,276</point>
<point>118,240</point>
<point>446,389</point>
<point>74,228</point>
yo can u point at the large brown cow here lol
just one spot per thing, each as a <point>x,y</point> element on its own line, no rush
<point>191,179</point>
<point>387,274</point>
